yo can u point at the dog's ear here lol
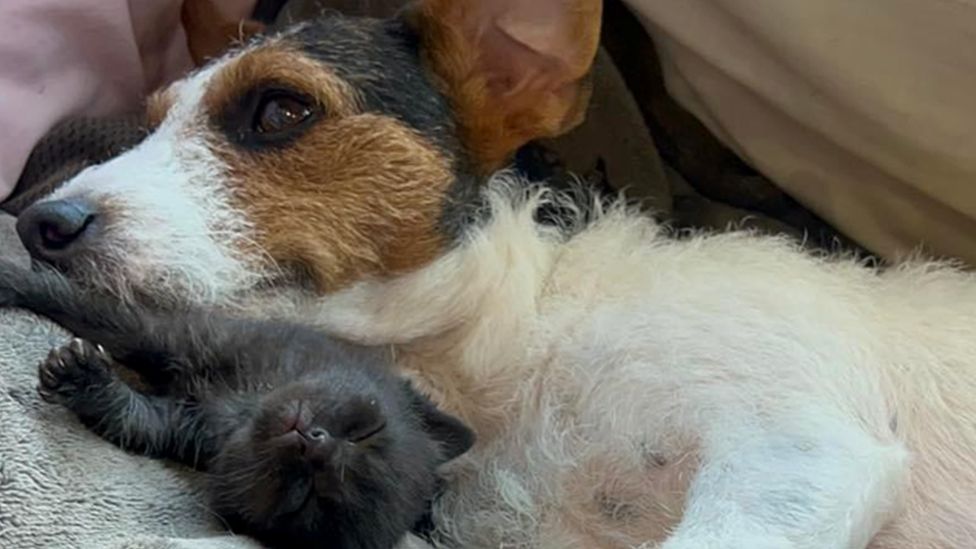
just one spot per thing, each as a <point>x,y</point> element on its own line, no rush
<point>516,70</point>
<point>210,32</point>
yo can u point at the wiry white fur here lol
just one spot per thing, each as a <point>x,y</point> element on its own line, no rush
<point>795,401</point>
<point>170,226</point>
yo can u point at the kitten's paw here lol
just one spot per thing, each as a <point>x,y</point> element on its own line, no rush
<point>77,369</point>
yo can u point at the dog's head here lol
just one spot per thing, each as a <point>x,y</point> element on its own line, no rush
<point>337,150</point>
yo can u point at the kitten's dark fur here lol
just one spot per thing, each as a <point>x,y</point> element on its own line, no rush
<point>308,441</point>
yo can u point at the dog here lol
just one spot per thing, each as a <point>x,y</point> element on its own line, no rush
<point>628,387</point>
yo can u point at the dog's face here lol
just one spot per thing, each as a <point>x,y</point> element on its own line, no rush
<point>339,150</point>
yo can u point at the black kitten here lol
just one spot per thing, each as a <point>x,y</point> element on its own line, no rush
<point>308,441</point>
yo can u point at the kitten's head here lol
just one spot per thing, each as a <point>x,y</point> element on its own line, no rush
<point>340,459</point>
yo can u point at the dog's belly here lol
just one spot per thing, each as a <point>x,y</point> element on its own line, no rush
<point>939,511</point>
<point>612,506</point>
<point>548,485</point>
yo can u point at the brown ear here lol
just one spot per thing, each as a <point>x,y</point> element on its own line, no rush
<point>516,70</point>
<point>209,32</point>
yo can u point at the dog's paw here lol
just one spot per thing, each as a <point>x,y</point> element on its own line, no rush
<point>76,370</point>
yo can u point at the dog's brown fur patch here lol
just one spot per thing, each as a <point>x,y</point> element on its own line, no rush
<point>358,194</point>
<point>280,63</point>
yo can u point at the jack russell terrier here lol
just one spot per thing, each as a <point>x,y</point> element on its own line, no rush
<point>629,387</point>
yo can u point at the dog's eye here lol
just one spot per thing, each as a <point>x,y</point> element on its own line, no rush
<point>279,112</point>
<point>267,116</point>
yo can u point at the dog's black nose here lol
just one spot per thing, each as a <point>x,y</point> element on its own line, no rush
<point>52,230</point>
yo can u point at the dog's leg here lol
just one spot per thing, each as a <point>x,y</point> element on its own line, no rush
<point>79,377</point>
<point>811,483</point>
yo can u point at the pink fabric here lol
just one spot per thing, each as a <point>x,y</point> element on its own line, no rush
<point>66,58</point>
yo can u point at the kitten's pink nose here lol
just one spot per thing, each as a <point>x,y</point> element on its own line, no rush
<point>294,422</point>
<point>293,419</point>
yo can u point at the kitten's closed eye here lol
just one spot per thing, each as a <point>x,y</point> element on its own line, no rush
<point>360,420</point>
<point>363,432</point>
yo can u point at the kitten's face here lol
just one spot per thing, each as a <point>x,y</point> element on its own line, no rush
<point>341,461</point>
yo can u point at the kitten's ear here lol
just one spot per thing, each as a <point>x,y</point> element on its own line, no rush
<point>453,435</point>
<point>209,33</point>
<point>515,70</point>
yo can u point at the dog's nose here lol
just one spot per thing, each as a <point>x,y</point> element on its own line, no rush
<point>52,230</point>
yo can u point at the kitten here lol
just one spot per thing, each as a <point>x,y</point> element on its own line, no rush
<point>307,441</point>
